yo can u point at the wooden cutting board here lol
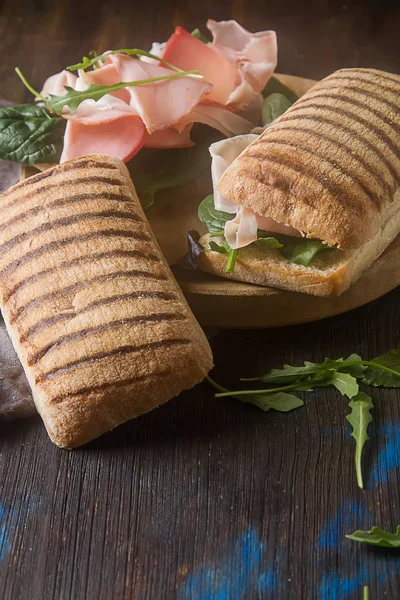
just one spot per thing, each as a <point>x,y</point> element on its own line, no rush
<point>217,302</point>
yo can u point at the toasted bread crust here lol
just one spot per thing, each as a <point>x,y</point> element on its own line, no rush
<point>330,166</point>
<point>324,277</point>
<point>99,323</point>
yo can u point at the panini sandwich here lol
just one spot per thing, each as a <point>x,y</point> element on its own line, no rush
<point>96,317</point>
<point>323,180</point>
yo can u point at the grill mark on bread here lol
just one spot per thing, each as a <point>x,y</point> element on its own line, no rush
<point>90,389</point>
<point>82,284</point>
<point>60,184</point>
<point>366,81</point>
<point>128,349</point>
<point>78,261</point>
<point>97,329</point>
<point>354,102</point>
<point>65,202</point>
<point>372,197</point>
<point>57,244</point>
<point>138,295</point>
<point>350,116</point>
<point>326,138</point>
<point>333,189</point>
<point>88,162</point>
<point>70,220</point>
<point>350,131</point>
<point>380,75</point>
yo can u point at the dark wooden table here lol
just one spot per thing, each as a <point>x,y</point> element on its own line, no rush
<point>208,499</point>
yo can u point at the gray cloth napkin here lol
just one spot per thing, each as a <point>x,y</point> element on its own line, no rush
<point>15,395</point>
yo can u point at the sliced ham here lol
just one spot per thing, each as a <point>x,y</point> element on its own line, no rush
<point>217,117</point>
<point>242,230</point>
<point>223,154</point>
<point>163,103</point>
<point>255,56</point>
<point>108,108</point>
<point>121,137</point>
<point>169,138</point>
<point>55,85</point>
<point>187,52</point>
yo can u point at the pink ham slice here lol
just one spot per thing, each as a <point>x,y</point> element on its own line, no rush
<point>187,52</point>
<point>107,75</point>
<point>55,84</point>
<point>255,56</point>
<point>163,103</point>
<point>121,137</point>
<point>169,138</point>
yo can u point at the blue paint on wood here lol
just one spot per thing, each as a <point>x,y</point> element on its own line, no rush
<point>350,516</point>
<point>338,587</point>
<point>5,543</point>
<point>242,572</point>
<point>388,456</point>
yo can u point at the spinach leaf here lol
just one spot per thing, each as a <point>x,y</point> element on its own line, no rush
<point>153,170</point>
<point>273,107</point>
<point>212,218</point>
<point>275,86</point>
<point>30,135</point>
<point>359,418</point>
<point>268,242</point>
<point>200,36</point>
<point>377,537</point>
<point>384,370</point>
<point>217,248</point>
<point>302,252</point>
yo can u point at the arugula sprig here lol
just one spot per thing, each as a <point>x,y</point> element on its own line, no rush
<point>359,418</point>
<point>86,62</point>
<point>377,537</point>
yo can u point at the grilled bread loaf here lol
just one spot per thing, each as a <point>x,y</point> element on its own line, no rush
<point>96,317</point>
<point>330,168</point>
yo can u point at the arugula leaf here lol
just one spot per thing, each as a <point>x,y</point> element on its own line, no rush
<point>73,98</point>
<point>268,242</point>
<point>30,135</point>
<point>359,418</point>
<point>389,376</point>
<point>275,86</point>
<point>302,252</point>
<point>95,59</point>
<point>279,401</point>
<point>377,537</point>
<point>212,218</point>
<point>289,374</point>
<point>217,248</point>
<point>200,36</point>
<point>230,265</point>
<point>154,170</point>
<point>273,107</point>
<point>345,383</point>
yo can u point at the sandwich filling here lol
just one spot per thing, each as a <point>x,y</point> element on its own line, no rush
<point>232,226</point>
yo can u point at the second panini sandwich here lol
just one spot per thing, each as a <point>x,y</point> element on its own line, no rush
<point>98,321</point>
<point>314,200</point>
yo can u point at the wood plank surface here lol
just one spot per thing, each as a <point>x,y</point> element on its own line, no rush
<point>209,499</point>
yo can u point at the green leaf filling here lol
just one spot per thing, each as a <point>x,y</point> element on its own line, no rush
<point>29,134</point>
<point>273,107</point>
<point>275,86</point>
<point>359,418</point>
<point>212,218</point>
